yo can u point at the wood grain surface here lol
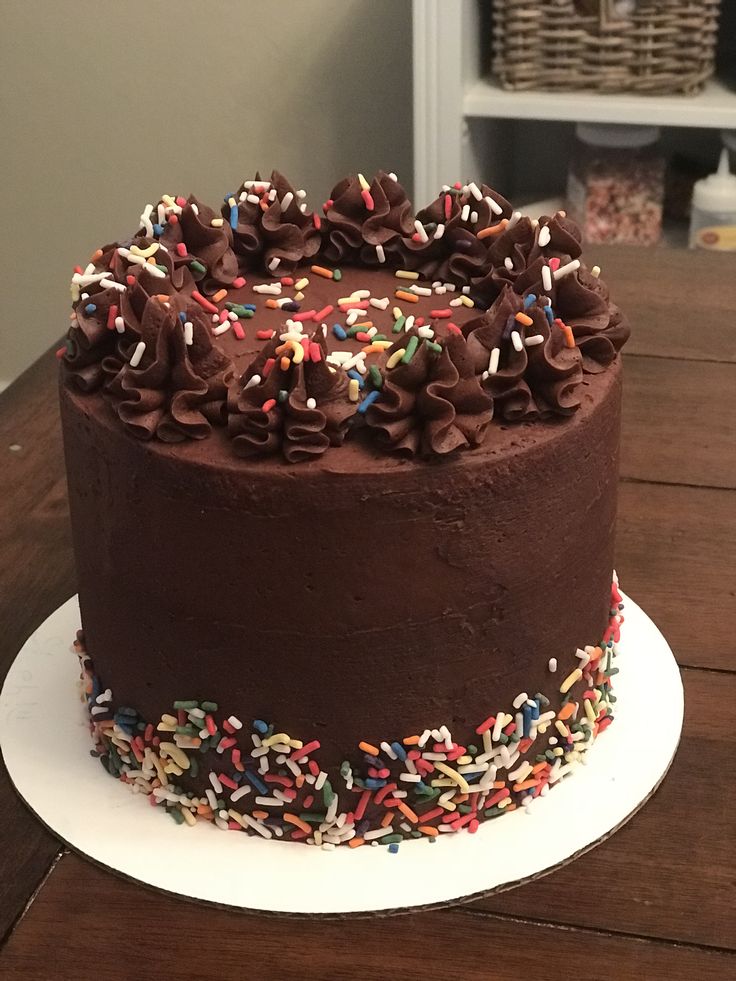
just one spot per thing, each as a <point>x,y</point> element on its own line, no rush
<point>649,866</point>
<point>149,935</point>
<point>655,901</point>
<point>675,554</point>
<point>681,303</point>
<point>679,421</point>
<point>36,576</point>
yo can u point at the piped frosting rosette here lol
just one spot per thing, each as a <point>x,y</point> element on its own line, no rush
<point>544,258</point>
<point>243,212</point>
<point>171,383</point>
<point>599,327</point>
<point>449,238</point>
<point>290,401</point>
<point>92,336</point>
<point>143,253</point>
<point>201,240</point>
<point>272,228</point>
<point>522,248</point>
<point>290,231</point>
<point>366,222</point>
<point>117,285</point>
<point>431,402</point>
<point>527,358</point>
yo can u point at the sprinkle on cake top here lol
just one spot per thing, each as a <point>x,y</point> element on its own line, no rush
<point>464,313</point>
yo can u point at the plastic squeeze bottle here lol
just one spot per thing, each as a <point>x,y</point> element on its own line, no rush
<point>713,216</point>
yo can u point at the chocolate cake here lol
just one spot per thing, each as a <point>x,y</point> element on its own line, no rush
<point>343,495</point>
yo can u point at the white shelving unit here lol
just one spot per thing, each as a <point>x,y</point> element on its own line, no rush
<point>715,107</point>
<point>459,109</point>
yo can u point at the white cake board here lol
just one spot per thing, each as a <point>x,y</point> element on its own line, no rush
<point>46,744</point>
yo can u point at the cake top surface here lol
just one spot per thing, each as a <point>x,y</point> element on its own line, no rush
<point>295,333</point>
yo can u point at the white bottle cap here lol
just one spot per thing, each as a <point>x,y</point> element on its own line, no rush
<point>614,135</point>
<point>716,192</point>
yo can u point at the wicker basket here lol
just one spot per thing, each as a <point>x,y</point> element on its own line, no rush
<point>605,45</point>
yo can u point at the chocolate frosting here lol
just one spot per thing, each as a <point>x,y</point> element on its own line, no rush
<point>579,299</point>
<point>457,257</point>
<point>540,380</point>
<point>355,225</point>
<point>453,252</point>
<point>390,219</point>
<point>417,594</point>
<point>521,242</point>
<point>264,231</point>
<point>174,267</point>
<point>599,326</point>
<point>89,340</point>
<point>179,390</point>
<point>436,404</point>
<point>247,235</point>
<point>208,244</point>
<point>140,293</point>
<point>448,206</point>
<point>433,405</point>
<point>291,426</point>
<point>253,431</point>
<point>520,245</point>
<point>488,216</point>
<point>289,235</point>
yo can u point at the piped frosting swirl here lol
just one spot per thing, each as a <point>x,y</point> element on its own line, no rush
<point>297,408</point>
<point>148,313</point>
<point>432,404</point>
<point>524,358</point>
<point>201,240</point>
<point>178,387</point>
<point>367,223</point>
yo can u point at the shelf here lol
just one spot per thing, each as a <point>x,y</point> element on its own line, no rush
<point>714,108</point>
<point>459,128</point>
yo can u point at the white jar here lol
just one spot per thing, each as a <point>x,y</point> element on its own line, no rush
<point>713,216</point>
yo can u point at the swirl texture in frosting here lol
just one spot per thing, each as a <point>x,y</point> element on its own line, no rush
<point>299,407</point>
<point>367,223</point>
<point>524,358</point>
<point>431,405</point>
<point>178,389</point>
<point>439,400</point>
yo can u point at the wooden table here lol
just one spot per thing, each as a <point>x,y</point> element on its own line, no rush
<point>655,901</point>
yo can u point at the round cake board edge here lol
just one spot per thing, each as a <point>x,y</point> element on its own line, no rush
<point>31,692</point>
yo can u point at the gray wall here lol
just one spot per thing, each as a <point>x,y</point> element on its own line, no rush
<point>105,106</point>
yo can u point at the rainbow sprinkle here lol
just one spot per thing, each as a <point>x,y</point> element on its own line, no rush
<point>199,763</point>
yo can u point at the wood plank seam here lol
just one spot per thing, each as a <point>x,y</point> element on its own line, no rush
<point>674,483</point>
<point>34,895</point>
<point>674,357</point>
<point>468,910</point>
<point>705,670</point>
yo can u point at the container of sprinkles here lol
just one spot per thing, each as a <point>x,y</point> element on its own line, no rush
<point>616,184</point>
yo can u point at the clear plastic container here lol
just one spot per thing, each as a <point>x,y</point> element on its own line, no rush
<point>615,184</point>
